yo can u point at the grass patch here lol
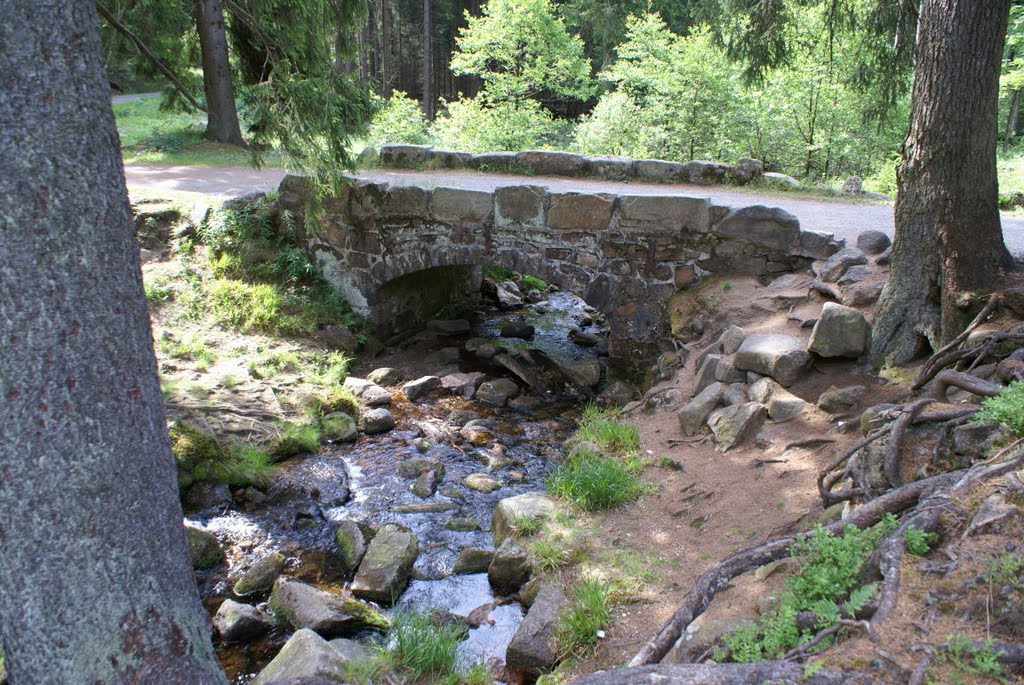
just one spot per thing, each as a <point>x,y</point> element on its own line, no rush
<point>189,349</point>
<point>826,584</point>
<point>201,458</point>
<point>1006,408</point>
<point>588,609</point>
<point>425,647</point>
<point>334,400</point>
<point>296,438</point>
<point>595,481</point>
<point>526,282</point>
<point>599,425</point>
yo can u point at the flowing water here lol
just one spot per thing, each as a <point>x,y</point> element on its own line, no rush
<point>361,482</point>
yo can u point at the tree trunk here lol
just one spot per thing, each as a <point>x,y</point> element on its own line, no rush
<point>949,240</point>
<point>1011,120</point>
<point>95,580</point>
<point>222,116</point>
<point>386,61</point>
<point>428,65</point>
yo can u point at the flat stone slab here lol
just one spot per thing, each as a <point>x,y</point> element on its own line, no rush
<point>780,356</point>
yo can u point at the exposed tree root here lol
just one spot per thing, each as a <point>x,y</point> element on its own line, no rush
<point>804,650</point>
<point>899,432</point>
<point>944,380</point>
<point>781,672</point>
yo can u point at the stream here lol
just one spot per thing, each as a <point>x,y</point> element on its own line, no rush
<point>361,482</point>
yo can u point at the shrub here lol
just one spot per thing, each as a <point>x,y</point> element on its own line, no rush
<point>918,541</point>
<point>473,125</point>
<point>1006,408</point>
<point>586,612</point>
<point>333,400</point>
<point>398,119</point>
<point>594,481</point>
<point>615,127</point>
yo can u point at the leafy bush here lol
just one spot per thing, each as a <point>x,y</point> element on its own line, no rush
<point>398,119</point>
<point>1006,408</point>
<point>474,125</point>
<point>594,481</point>
<point>586,612</point>
<point>615,127</point>
<point>827,584</point>
<point>964,655</point>
<point>918,541</point>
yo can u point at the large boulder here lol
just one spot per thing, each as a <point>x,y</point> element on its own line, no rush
<point>326,613</point>
<point>531,506</point>
<point>840,332</point>
<point>509,568</point>
<point>695,413</point>
<point>772,354</point>
<point>768,227</point>
<point>352,540</point>
<point>873,242</point>
<point>534,647</point>
<point>339,427</point>
<point>261,576</point>
<point>235,621</point>
<point>305,655</point>
<point>737,424</point>
<point>385,568</point>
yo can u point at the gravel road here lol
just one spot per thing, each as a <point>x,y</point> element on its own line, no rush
<point>845,219</point>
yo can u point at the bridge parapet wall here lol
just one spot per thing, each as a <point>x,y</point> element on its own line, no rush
<point>625,254</point>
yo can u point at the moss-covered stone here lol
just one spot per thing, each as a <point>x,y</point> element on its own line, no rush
<point>203,548</point>
<point>352,539</point>
<point>196,453</point>
<point>463,525</point>
<point>339,427</point>
<point>327,613</point>
<point>261,576</point>
<point>385,569</point>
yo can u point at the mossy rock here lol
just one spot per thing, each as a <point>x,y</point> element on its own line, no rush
<point>352,539</point>
<point>195,451</point>
<point>463,525</point>
<point>339,427</point>
<point>261,576</point>
<point>203,548</point>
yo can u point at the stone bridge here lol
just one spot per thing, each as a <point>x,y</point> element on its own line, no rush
<point>399,254</point>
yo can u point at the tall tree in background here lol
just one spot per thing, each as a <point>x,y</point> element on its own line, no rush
<point>949,239</point>
<point>95,582</point>
<point>222,115</point>
<point>428,64</point>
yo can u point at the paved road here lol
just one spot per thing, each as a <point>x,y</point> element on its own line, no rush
<point>845,219</point>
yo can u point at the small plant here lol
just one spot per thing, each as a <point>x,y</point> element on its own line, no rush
<point>525,526</point>
<point>919,542</point>
<point>548,555</point>
<point>158,291</point>
<point>588,610</point>
<point>297,439</point>
<point>600,426</point>
<point>1006,408</point>
<point>666,462</point>
<point>594,481</point>
<point>189,349</point>
<point>965,655</point>
<point>425,646</point>
<point>333,400</point>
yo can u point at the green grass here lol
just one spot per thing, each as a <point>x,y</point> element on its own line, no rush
<point>296,438</point>
<point>588,610</point>
<point>599,425</point>
<point>190,348</point>
<point>527,282</point>
<point>201,458</point>
<point>827,583</point>
<point>333,399</point>
<point>1006,408</point>
<point>595,481</point>
<point>425,647</point>
<point>151,135</point>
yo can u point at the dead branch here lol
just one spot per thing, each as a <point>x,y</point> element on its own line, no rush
<point>148,54</point>
<point>965,381</point>
<point>704,589</point>
<point>899,432</point>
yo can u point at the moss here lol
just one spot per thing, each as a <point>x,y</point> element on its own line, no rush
<point>201,458</point>
<point>203,548</point>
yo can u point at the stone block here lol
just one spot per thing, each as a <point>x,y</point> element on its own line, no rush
<point>840,332</point>
<point>405,202</point>
<point>771,354</point>
<point>667,212</point>
<point>522,205</point>
<point>818,245</point>
<point>405,156</point>
<point>458,205</point>
<point>612,168</point>
<point>660,170</point>
<point>768,227</point>
<point>581,211</point>
<point>449,159</point>
<point>549,163</point>
<point>704,173</point>
<point>493,161</point>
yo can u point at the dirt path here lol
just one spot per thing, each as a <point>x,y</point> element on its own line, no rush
<point>845,219</point>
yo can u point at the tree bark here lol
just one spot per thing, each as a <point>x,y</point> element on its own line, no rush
<point>428,64</point>
<point>95,580</point>
<point>222,115</point>
<point>949,239</point>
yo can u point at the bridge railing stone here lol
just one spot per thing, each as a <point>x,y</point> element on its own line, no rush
<point>625,254</point>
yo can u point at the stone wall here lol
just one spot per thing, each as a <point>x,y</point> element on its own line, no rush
<point>624,254</point>
<point>553,163</point>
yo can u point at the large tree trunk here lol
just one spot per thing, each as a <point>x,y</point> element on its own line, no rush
<point>95,580</point>
<point>428,64</point>
<point>948,235</point>
<point>222,115</point>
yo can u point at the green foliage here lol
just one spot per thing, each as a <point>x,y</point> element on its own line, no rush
<point>588,610</point>
<point>826,583</point>
<point>398,119</point>
<point>594,481</point>
<point>191,348</point>
<point>158,291</point>
<point>201,458</point>
<point>1006,408</point>
<point>616,126</point>
<point>524,281</point>
<point>521,49</point>
<point>334,399</point>
<point>478,125</point>
<point>965,655</point>
<point>918,541</point>
<point>296,438</point>
<point>525,526</point>
<point>600,426</point>
<point>425,646</point>
<point>548,555</point>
